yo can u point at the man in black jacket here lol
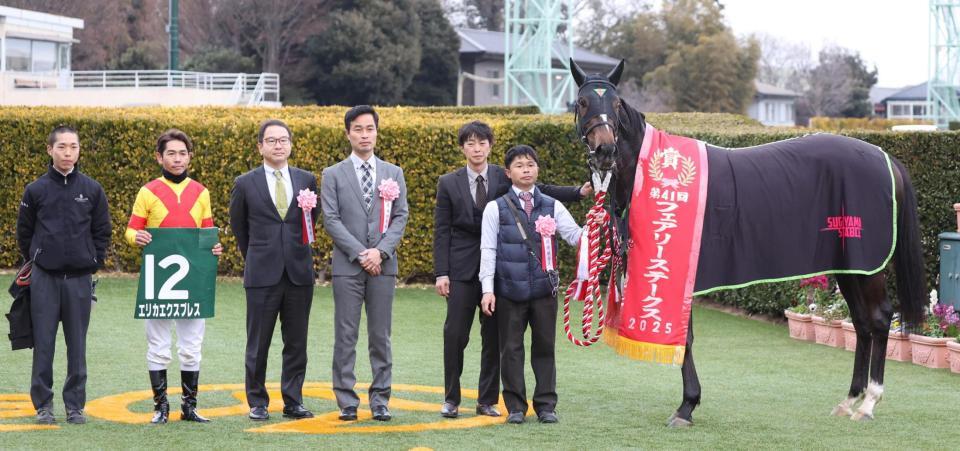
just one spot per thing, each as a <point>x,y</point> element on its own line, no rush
<point>461,197</point>
<point>64,226</point>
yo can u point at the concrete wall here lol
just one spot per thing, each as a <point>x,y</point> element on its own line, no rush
<point>109,97</point>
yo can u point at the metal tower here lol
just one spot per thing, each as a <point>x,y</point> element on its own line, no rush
<point>537,33</point>
<point>944,76</point>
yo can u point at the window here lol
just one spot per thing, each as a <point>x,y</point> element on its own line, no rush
<point>494,87</point>
<point>919,110</point>
<point>44,56</point>
<point>18,54</point>
<point>24,55</point>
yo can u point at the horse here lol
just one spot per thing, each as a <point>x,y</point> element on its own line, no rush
<point>612,132</point>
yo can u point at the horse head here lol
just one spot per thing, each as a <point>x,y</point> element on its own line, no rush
<point>598,118</point>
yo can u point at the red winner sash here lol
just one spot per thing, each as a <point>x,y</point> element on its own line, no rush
<point>666,221</point>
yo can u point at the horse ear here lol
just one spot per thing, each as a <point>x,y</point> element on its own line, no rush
<point>577,72</point>
<point>614,75</point>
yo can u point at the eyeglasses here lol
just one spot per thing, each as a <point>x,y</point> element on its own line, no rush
<point>274,141</point>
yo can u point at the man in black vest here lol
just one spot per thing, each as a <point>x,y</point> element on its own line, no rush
<point>461,197</point>
<point>518,279</point>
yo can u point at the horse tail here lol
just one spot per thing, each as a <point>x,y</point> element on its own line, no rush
<point>908,255</point>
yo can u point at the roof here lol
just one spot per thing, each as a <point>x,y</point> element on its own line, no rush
<point>16,15</point>
<point>915,92</point>
<point>767,90</point>
<point>878,93</point>
<point>494,43</point>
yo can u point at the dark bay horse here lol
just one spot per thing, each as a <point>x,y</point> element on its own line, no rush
<point>613,133</point>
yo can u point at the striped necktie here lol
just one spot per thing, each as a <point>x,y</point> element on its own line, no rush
<point>366,184</point>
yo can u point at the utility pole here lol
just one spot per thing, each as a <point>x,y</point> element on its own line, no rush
<point>173,29</point>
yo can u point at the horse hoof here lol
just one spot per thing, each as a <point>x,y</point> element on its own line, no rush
<point>861,416</point>
<point>677,422</point>
<point>841,411</point>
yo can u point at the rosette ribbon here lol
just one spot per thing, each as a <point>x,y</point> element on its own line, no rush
<point>389,191</point>
<point>307,201</point>
<point>546,226</point>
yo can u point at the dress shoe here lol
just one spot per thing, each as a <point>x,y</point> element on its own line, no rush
<point>449,410</point>
<point>297,412</point>
<point>348,413</point>
<point>381,413</point>
<point>45,416</point>
<point>547,417</point>
<point>487,410</point>
<point>76,417</point>
<point>259,413</point>
<point>515,418</point>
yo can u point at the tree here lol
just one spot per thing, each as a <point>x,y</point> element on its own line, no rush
<point>369,53</point>
<point>220,60</point>
<point>716,75</point>
<point>838,86</point>
<point>140,56</point>
<point>436,80</point>
<point>489,14</point>
<point>782,63</point>
<point>682,57</point>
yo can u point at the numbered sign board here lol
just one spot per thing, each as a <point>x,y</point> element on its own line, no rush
<point>178,276</point>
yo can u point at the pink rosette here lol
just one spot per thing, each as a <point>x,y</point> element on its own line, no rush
<point>389,189</point>
<point>307,201</point>
<point>546,225</point>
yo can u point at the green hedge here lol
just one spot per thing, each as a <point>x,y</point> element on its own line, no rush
<point>118,151</point>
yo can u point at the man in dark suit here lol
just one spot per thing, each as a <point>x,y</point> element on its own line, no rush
<point>278,271</point>
<point>461,197</point>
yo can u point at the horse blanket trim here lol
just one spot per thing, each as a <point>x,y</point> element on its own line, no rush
<point>887,163</point>
<point>666,223</point>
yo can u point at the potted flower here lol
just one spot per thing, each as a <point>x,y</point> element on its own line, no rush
<point>826,323</point>
<point>799,313</point>
<point>898,341</point>
<point>953,354</point>
<point>930,344</point>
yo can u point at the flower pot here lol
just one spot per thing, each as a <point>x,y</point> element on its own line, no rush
<point>800,325</point>
<point>828,332</point>
<point>849,336</point>
<point>928,351</point>
<point>899,347</point>
<point>953,355</point>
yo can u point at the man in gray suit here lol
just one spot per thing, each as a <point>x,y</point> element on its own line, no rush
<point>278,268</point>
<point>365,211</point>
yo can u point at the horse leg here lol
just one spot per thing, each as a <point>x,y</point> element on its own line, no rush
<point>683,417</point>
<point>850,287</point>
<point>880,313</point>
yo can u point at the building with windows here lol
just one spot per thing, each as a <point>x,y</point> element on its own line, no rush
<point>773,106</point>
<point>35,53</point>
<point>481,54</point>
<point>907,103</point>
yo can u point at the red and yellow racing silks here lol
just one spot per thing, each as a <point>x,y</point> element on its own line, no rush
<point>162,203</point>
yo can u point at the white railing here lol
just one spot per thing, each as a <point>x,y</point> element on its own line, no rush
<point>250,89</point>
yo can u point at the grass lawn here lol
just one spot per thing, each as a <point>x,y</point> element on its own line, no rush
<point>760,390</point>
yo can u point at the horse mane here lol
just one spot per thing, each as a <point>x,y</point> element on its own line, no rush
<point>632,124</point>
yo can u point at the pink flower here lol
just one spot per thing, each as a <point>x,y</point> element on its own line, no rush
<point>389,189</point>
<point>819,282</point>
<point>307,199</point>
<point>546,226</point>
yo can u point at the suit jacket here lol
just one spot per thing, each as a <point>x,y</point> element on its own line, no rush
<point>456,222</point>
<point>271,244</point>
<point>352,228</point>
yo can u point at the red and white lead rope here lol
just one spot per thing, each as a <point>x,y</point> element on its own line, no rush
<point>597,228</point>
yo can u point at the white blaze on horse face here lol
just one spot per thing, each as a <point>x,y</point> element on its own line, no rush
<point>606,123</point>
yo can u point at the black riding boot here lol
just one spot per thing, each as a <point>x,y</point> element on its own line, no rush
<point>161,408</point>
<point>188,382</point>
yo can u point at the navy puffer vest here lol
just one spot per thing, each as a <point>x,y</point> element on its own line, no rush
<point>519,276</point>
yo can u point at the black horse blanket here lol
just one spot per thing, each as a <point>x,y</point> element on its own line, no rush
<point>795,208</point>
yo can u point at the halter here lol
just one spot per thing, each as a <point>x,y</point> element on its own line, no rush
<point>599,89</point>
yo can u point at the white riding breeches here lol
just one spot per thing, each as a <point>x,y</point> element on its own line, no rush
<point>189,341</point>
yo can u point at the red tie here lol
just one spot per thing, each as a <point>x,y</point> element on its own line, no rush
<point>527,199</point>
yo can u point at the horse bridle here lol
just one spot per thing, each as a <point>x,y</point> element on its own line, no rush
<point>604,110</point>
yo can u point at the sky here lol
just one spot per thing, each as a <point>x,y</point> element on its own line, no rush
<point>891,34</point>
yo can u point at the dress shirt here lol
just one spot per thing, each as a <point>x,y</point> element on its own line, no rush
<point>358,169</point>
<point>567,228</point>
<point>472,178</point>
<point>272,182</point>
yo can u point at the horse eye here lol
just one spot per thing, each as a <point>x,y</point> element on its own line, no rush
<point>582,102</point>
